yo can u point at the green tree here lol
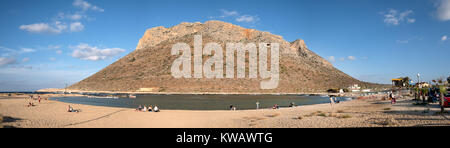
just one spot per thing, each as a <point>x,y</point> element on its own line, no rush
<point>442,92</point>
<point>424,94</point>
<point>405,81</point>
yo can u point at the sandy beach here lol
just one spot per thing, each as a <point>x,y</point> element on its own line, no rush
<point>373,112</point>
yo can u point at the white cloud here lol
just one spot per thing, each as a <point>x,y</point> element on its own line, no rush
<point>332,59</point>
<point>226,13</point>
<point>26,50</point>
<point>86,6</point>
<point>56,48</point>
<point>444,38</point>
<point>342,59</point>
<point>8,52</point>
<point>52,59</point>
<point>86,52</point>
<point>76,27</point>
<point>351,58</point>
<point>4,61</point>
<point>76,17</point>
<point>55,28</point>
<point>393,17</point>
<point>237,16</point>
<point>59,24</point>
<point>402,41</point>
<point>247,19</point>
<point>25,59</point>
<point>443,10</point>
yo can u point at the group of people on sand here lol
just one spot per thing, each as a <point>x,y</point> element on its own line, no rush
<point>39,98</point>
<point>144,108</point>
<point>276,106</point>
<point>232,107</point>
<point>30,104</point>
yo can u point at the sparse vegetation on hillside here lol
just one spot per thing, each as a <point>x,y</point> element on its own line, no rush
<point>301,70</point>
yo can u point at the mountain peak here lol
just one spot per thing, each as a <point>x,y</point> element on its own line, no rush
<point>149,66</point>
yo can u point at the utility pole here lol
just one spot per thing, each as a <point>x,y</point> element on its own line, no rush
<point>418,77</point>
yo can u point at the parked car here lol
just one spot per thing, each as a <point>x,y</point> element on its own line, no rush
<point>446,100</point>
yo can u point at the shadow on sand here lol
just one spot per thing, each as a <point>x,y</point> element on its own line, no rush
<point>7,119</point>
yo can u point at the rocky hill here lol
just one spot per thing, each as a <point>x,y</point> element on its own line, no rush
<point>148,67</point>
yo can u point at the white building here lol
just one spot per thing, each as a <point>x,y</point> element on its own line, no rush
<point>354,88</point>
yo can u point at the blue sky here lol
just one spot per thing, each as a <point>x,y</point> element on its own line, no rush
<point>51,43</point>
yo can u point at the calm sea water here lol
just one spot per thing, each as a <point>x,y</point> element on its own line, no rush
<point>201,102</point>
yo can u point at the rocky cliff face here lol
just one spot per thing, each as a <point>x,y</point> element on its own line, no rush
<point>301,70</point>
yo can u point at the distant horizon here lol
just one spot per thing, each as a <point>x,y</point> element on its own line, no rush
<point>51,44</point>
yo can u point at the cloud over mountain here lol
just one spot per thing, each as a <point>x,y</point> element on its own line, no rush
<point>92,53</point>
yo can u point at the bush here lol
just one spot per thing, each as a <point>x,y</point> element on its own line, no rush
<point>345,116</point>
<point>322,114</point>
<point>331,90</point>
<point>132,59</point>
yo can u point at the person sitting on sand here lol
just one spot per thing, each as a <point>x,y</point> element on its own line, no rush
<point>70,109</point>
<point>73,110</point>
<point>139,108</point>
<point>150,108</point>
<point>145,109</point>
<point>231,107</point>
<point>291,104</point>
<point>275,106</point>
<point>30,104</point>
<point>156,109</point>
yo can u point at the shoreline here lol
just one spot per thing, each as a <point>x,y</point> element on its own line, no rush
<point>190,93</point>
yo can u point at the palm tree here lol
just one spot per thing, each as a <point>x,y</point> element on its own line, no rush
<point>405,81</point>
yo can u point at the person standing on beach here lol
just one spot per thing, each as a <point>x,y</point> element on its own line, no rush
<point>393,101</point>
<point>257,105</point>
<point>331,103</point>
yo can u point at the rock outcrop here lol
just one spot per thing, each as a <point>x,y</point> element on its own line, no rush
<point>301,70</point>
